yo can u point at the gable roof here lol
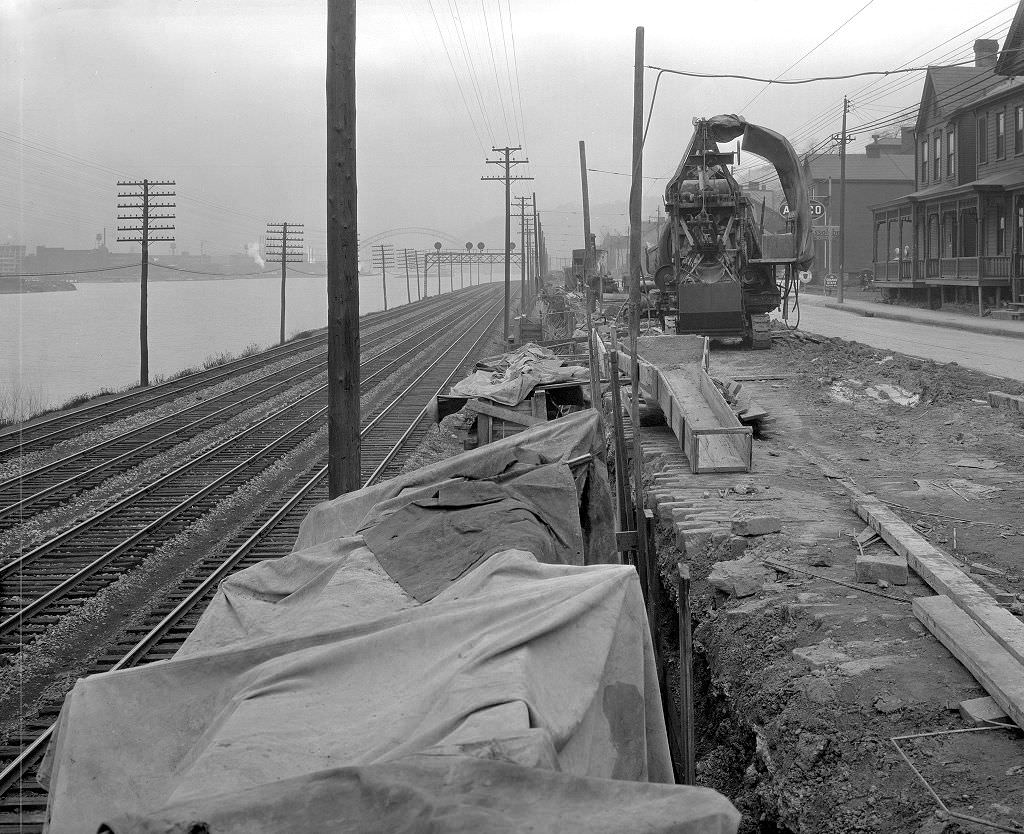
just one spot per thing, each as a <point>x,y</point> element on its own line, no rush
<point>953,88</point>
<point>1011,59</point>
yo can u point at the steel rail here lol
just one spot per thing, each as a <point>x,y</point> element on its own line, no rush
<point>42,549</point>
<point>199,423</point>
<point>17,620</point>
<point>139,399</point>
<point>164,391</point>
<point>15,771</point>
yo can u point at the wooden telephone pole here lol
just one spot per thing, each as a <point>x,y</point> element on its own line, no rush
<point>284,246</point>
<point>842,206</point>
<point>524,248</point>
<point>507,162</point>
<point>383,257</point>
<point>141,231</point>
<point>406,253</point>
<point>343,459</point>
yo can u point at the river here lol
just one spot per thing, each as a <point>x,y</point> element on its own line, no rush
<point>57,345</point>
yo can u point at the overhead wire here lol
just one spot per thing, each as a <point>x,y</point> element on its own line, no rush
<point>494,66</point>
<point>811,51</point>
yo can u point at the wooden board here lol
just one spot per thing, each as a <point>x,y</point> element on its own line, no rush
<point>944,575</point>
<point>993,667</point>
<point>695,410</point>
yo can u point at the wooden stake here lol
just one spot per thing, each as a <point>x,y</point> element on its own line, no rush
<point>686,677</point>
<point>342,252</point>
<point>635,194</point>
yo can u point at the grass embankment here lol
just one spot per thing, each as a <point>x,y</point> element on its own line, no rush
<point>22,403</point>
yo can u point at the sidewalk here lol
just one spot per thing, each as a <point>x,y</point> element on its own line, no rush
<point>935,318</point>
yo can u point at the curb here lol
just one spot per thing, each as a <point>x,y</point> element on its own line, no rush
<point>968,326</point>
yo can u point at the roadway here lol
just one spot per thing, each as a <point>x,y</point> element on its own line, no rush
<point>996,355</point>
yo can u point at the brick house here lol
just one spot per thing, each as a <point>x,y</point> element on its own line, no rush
<point>960,233</point>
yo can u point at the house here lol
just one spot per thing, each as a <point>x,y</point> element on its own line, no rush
<point>960,233</point>
<point>884,171</point>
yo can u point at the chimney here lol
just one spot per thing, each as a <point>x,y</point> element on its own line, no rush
<point>985,53</point>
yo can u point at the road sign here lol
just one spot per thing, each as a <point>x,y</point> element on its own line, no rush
<point>817,210</point>
<point>825,232</point>
<point>831,281</point>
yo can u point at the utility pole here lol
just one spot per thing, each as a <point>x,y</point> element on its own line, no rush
<point>842,204</point>
<point>383,257</point>
<point>283,245</point>
<point>536,243</point>
<point>343,459</point>
<point>469,261</point>
<point>507,162</point>
<point>426,292</point>
<point>523,250</point>
<point>635,196</point>
<point>408,288</point>
<point>141,230</point>
<point>586,227</point>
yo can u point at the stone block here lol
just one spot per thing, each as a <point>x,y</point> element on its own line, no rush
<point>981,711</point>
<point>758,525</point>
<point>694,543</point>
<point>737,546</point>
<point>739,577</point>
<point>885,565</point>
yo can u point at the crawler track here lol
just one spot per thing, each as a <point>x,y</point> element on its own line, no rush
<point>388,430</point>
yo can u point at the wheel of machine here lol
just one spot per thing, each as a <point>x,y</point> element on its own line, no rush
<point>760,332</point>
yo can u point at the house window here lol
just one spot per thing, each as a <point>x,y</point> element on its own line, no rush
<point>937,158</point>
<point>1000,231</point>
<point>1018,130</point>
<point>924,161</point>
<point>1020,227</point>
<point>982,139</point>
<point>950,153</point>
<point>1000,135</point>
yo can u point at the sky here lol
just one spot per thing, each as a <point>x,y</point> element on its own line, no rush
<point>228,100</point>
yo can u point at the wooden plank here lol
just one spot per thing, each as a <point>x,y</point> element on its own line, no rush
<point>993,667</point>
<point>539,405</point>
<point>944,576</point>
<point>508,414</point>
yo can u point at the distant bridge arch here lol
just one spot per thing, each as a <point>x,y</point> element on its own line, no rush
<point>408,231</point>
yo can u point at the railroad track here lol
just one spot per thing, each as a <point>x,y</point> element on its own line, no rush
<point>49,581</point>
<point>36,489</point>
<point>271,535</point>
<point>37,434</point>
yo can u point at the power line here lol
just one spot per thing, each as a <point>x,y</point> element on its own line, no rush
<point>494,66</point>
<point>458,81</point>
<point>809,52</point>
<point>799,80</point>
<point>75,272</point>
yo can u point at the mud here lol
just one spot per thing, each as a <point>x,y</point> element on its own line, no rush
<point>801,687</point>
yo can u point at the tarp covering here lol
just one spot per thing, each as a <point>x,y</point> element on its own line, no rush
<point>517,374</point>
<point>346,688</point>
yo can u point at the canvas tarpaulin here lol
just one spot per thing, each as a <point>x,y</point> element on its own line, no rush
<point>319,693</point>
<point>517,374</point>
